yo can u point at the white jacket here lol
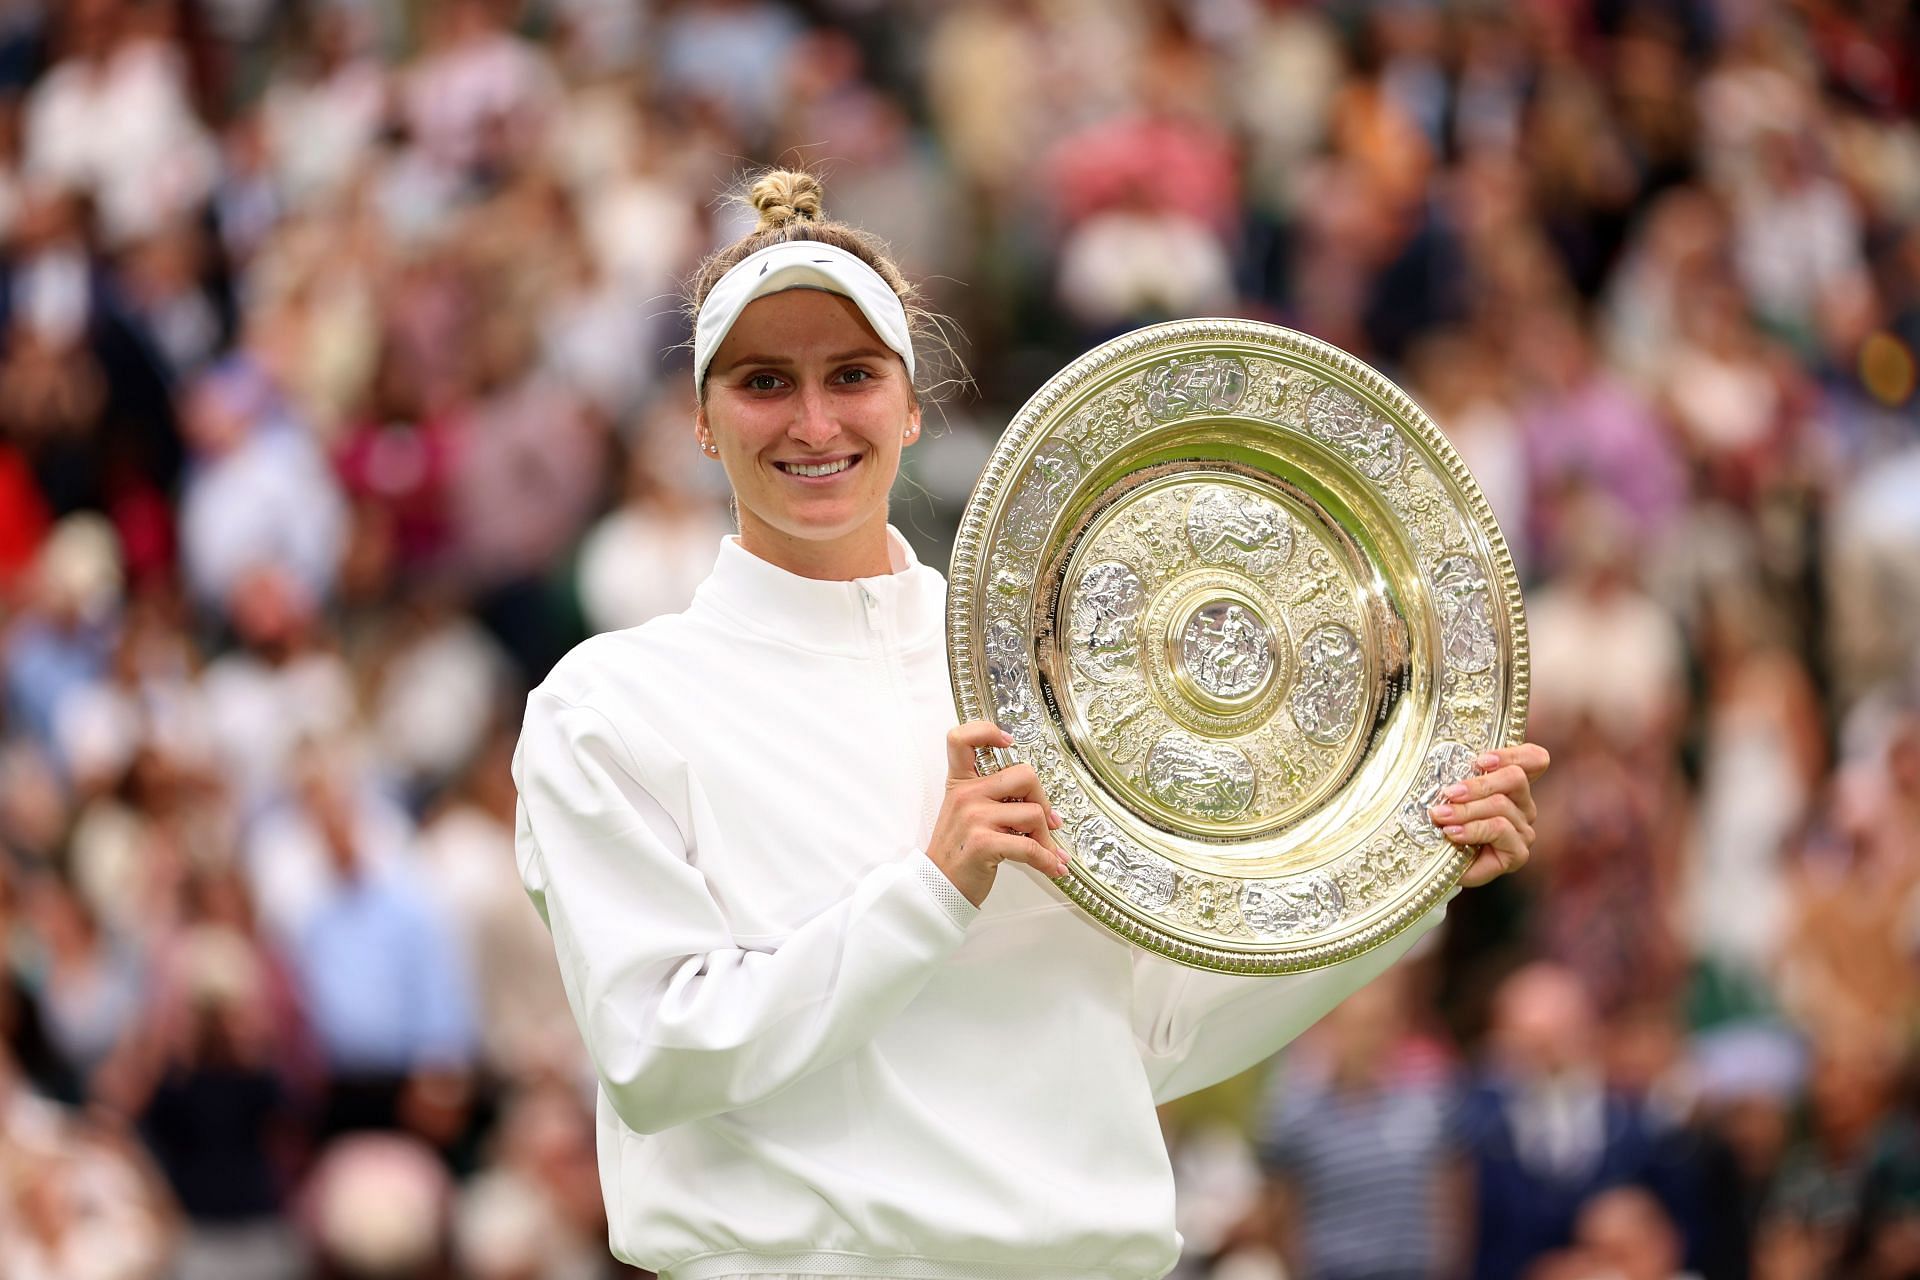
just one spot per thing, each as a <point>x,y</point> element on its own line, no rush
<point>814,1055</point>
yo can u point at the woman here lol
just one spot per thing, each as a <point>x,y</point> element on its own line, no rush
<point>842,1022</point>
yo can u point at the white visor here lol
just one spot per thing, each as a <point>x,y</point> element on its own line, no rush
<point>799,264</point>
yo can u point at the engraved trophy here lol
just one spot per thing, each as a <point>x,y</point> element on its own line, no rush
<point>1241,606</point>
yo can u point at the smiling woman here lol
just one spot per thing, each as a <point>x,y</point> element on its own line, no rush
<point>804,364</point>
<point>808,410</point>
<point>844,1024</point>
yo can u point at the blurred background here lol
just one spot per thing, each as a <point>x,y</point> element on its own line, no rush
<point>339,396</point>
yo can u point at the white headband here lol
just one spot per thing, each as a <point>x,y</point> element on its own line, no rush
<point>799,264</point>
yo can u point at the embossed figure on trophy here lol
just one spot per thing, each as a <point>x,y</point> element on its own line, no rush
<point>1112,714</point>
<point>1218,384</point>
<point>1326,702</point>
<point>1177,389</point>
<point>1145,879</point>
<point>1107,635</point>
<point>1226,652</point>
<point>1318,579</point>
<point>1208,780</point>
<point>1268,386</point>
<point>1013,702</point>
<point>1248,527</point>
<point>1367,439</point>
<point>1203,902</point>
<point>1114,417</point>
<point>1447,762</point>
<point>1055,478</point>
<point>1239,528</point>
<point>1234,655</point>
<point>1103,616</point>
<point>1050,477</point>
<point>1010,576</point>
<point>1466,618</point>
<point>1223,794</point>
<point>1149,530</point>
<point>1284,908</point>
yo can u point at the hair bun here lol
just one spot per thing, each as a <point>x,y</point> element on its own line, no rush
<point>784,196</point>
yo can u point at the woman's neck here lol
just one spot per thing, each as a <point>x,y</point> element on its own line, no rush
<point>864,553</point>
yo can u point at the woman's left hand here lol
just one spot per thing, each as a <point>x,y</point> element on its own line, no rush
<point>1494,811</point>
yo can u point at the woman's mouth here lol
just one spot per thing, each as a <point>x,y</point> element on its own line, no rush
<point>817,470</point>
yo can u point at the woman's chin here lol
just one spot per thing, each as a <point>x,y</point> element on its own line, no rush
<point>822,528</point>
<point>830,532</point>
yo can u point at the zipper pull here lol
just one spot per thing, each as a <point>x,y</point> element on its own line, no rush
<point>872,602</point>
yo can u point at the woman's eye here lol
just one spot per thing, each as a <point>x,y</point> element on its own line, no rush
<point>762,382</point>
<point>856,375</point>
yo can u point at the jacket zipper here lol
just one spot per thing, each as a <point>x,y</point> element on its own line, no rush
<point>896,681</point>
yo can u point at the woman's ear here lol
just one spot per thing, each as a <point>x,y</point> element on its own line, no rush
<point>912,432</point>
<point>702,434</point>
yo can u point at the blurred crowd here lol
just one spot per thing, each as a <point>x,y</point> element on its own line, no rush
<point>341,391</point>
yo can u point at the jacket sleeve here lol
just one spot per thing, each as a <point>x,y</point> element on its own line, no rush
<point>1196,1028</point>
<point>679,1022</point>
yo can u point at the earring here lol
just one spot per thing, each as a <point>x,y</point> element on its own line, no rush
<point>709,448</point>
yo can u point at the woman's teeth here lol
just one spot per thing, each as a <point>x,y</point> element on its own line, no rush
<point>824,469</point>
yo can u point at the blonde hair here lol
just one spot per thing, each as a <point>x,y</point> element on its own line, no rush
<point>791,207</point>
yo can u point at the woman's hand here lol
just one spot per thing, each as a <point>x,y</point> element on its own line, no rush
<point>1494,811</point>
<point>985,821</point>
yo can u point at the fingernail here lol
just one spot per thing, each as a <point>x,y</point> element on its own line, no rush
<point>1486,760</point>
<point>1458,791</point>
<point>1053,820</point>
<point>1063,868</point>
<point>1442,811</point>
<point>1456,831</point>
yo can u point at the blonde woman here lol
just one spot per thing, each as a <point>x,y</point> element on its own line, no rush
<point>843,1022</point>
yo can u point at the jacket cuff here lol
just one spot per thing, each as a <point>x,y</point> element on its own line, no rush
<point>951,900</point>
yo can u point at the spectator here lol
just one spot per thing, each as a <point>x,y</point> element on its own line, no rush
<point>113,117</point>
<point>379,971</point>
<point>1357,1148</point>
<point>666,524</point>
<point>279,687</point>
<point>1814,1207</point>
<point>260,496</point>
<point>536,1214</point>
<point>524,1026</point>
<point>91,984</point>
<point>63,642</point>
<point>215,1110</point>
<point>1538,1127</point>
<point>376,1205</point>
<point>1747,1079</point>
<point>1629,1235</point>
<point>1637,700</point>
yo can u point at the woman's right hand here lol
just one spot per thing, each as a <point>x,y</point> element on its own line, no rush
<point>987,820</point>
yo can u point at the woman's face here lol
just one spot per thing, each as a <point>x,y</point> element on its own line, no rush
<point>809,410</point>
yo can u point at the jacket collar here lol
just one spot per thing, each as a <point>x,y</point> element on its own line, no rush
<point>906,607</point>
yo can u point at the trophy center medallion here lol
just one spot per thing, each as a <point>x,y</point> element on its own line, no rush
<point>1225,651</point>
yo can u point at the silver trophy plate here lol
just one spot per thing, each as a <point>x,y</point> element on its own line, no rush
<point>1243,609</point>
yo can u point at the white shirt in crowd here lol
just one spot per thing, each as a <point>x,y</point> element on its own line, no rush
<point>123,129</point>
<point>814,1055</point>
<point>676,548</point>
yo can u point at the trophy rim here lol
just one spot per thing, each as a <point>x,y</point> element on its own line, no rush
<point>964,598</point>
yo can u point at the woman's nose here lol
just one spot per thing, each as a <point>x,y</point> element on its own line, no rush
<point>813,422</point>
